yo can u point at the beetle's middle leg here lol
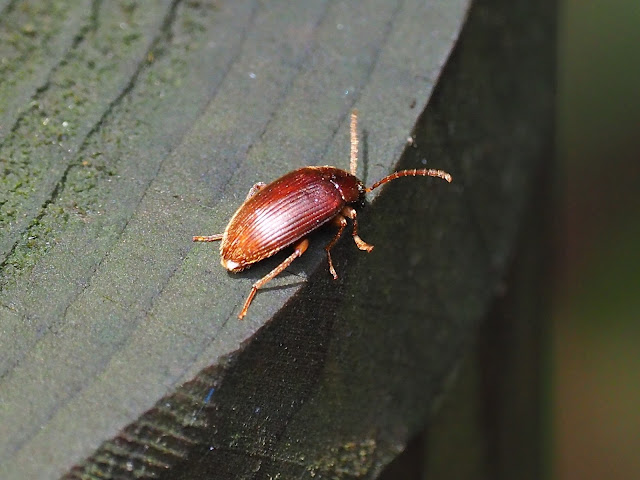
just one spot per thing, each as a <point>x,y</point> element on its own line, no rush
<point>300,248</point>
<point>341,222</point>
<point>255,189</point>
<point>352,214</point>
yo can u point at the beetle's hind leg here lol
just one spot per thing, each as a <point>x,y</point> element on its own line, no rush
<point>300,248</point>
<point>352,214</point>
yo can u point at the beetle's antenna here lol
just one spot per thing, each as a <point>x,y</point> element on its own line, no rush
<point>419,172</point>
<point>353,163</point>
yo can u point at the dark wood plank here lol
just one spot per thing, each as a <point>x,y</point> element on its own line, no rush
<point>121,353</point>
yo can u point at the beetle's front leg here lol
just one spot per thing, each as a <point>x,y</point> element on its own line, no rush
<point>352,214</point>
<point>300,248</point>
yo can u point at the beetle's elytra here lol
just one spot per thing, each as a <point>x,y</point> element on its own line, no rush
<point>287,210</point>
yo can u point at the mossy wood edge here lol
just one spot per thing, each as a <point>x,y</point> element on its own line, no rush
<point>125,129</point>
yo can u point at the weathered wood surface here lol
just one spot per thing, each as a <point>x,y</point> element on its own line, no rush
<point>127,128</point>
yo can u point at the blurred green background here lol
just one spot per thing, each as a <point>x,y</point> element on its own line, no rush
<point>596,314</point>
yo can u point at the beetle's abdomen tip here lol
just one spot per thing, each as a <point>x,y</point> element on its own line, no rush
<point>231,265</point>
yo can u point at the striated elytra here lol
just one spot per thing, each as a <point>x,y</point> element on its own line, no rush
<point>284,212</point>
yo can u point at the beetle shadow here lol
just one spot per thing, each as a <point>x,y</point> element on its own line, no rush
<point>301,268</point>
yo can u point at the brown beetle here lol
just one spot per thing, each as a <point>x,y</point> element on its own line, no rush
<point>285,211</point>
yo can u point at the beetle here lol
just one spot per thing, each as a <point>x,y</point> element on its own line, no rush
<point>286,211</point>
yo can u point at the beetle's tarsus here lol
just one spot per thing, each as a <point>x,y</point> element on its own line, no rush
<point>332,270</point>
<point>247,302</point>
